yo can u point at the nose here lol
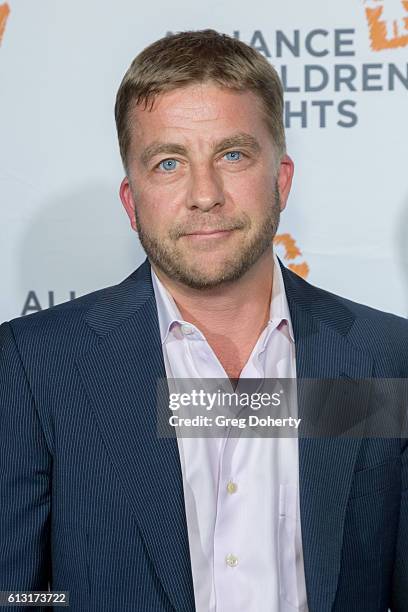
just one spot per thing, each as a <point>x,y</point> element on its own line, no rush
<point>206,189</point>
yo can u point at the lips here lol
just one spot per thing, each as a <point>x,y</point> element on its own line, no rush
<point>207,232</point>
<point>210,231</point>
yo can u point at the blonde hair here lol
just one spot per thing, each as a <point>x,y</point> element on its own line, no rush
<point>179,60</point>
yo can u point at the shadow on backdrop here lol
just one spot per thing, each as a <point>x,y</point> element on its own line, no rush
<point>77,242</point>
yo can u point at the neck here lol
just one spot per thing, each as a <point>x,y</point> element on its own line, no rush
<point>240,308</point>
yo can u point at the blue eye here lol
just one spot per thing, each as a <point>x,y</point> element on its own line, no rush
<point>233,155</point>
<point>168,164</point>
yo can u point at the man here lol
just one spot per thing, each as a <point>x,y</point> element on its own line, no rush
<point>93,501</point>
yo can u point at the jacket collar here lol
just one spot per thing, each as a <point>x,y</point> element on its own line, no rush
<point>125,299</point>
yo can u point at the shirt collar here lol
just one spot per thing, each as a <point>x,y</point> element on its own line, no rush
<point>169,315</point>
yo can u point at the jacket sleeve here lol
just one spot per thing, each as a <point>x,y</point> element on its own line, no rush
<point>25,478</point>
<point>399,599</point>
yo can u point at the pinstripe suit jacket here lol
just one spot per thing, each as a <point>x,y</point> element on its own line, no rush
<point>91,500</point>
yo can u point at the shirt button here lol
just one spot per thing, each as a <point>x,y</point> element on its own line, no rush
<point>231,560</point>
<point>232,487</point>
<point>186,329</point>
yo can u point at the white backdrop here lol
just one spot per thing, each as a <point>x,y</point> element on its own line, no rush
<point>63,231</point>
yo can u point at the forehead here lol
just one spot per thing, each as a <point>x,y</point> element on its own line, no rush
<point>198,107</point>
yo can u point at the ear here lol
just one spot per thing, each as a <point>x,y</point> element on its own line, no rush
<point>126,196</point>
<point>284,179</point>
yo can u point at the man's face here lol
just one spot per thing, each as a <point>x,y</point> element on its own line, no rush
<point>204,190</point>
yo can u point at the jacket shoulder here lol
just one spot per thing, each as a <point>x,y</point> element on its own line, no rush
<point>60,315</point>
<point>65,325</point>
<point>317,298</point>
<point>382,334</point>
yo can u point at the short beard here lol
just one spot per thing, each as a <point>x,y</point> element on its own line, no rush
<point>171,264</point>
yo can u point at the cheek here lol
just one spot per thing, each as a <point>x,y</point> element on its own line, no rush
<point>158,208</point>
<point>250,190</point>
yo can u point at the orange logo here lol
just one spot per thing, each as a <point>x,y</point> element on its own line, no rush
<point>388,23</point>
<point>4,13</point>
<point>291,252</point>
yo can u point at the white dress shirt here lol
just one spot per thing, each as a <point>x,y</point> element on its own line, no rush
<point>241,494</point>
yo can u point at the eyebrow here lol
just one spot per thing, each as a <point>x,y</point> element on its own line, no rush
<point>168,148</point>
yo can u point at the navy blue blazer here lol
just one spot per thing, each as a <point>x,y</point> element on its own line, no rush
<point>91,500</point>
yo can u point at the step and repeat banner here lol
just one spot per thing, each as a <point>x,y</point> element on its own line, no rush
<point>344,68</point>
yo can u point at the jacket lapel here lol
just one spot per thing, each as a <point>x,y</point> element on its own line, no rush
<point>321,324</point>
<point>120,375</point>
